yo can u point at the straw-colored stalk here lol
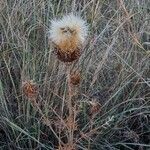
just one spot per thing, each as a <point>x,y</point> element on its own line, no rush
<point>70,107</point>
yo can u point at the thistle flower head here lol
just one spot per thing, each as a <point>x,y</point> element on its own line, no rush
<point>95,107</point>
<point>69,26</point>
<point>30,89</point>
<point>75,77</point>
<point>68,34</point>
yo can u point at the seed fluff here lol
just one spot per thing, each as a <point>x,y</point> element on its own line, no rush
<point>68,35</point>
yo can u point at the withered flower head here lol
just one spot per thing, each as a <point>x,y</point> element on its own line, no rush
<point>68,35</point>
<point>30,89</point>
<point>75,77</point>
<point>95,107</point>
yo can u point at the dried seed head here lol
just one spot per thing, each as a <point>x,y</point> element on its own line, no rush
<point>95,107</point>
<point>67,57</point>
<point>59,125</point>
<point>75,77</point>
<point>30,89</point>
<point>68,35</point>
<point>71,124</point>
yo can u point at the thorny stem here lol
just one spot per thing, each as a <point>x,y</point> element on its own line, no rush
<point>70,107</point>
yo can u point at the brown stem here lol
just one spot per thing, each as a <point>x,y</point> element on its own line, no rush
<point>70,107</point>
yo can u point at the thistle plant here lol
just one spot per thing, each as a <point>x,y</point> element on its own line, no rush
<point>30,89</point>
<point>68,37</point>
<point>44,101</point>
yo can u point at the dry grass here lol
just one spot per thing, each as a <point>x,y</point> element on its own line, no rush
<point>110,106</point>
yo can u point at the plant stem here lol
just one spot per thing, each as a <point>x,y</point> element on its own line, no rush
<point>70,107</point>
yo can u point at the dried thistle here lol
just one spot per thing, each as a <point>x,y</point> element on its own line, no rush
<point>30,89</point>
<point>71,123</point>
<point>95,107</point>
<point>59,124</point>
<point>67,57</point>
<point>75,77</point>
<point>68,36</point>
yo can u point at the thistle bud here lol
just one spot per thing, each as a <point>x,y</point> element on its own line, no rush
<point>30,89</point>
<point>75,77</point>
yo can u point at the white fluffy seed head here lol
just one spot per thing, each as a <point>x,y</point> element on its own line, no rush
<point>70,26</point>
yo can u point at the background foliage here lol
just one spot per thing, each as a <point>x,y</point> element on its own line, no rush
<point>115,69</point>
